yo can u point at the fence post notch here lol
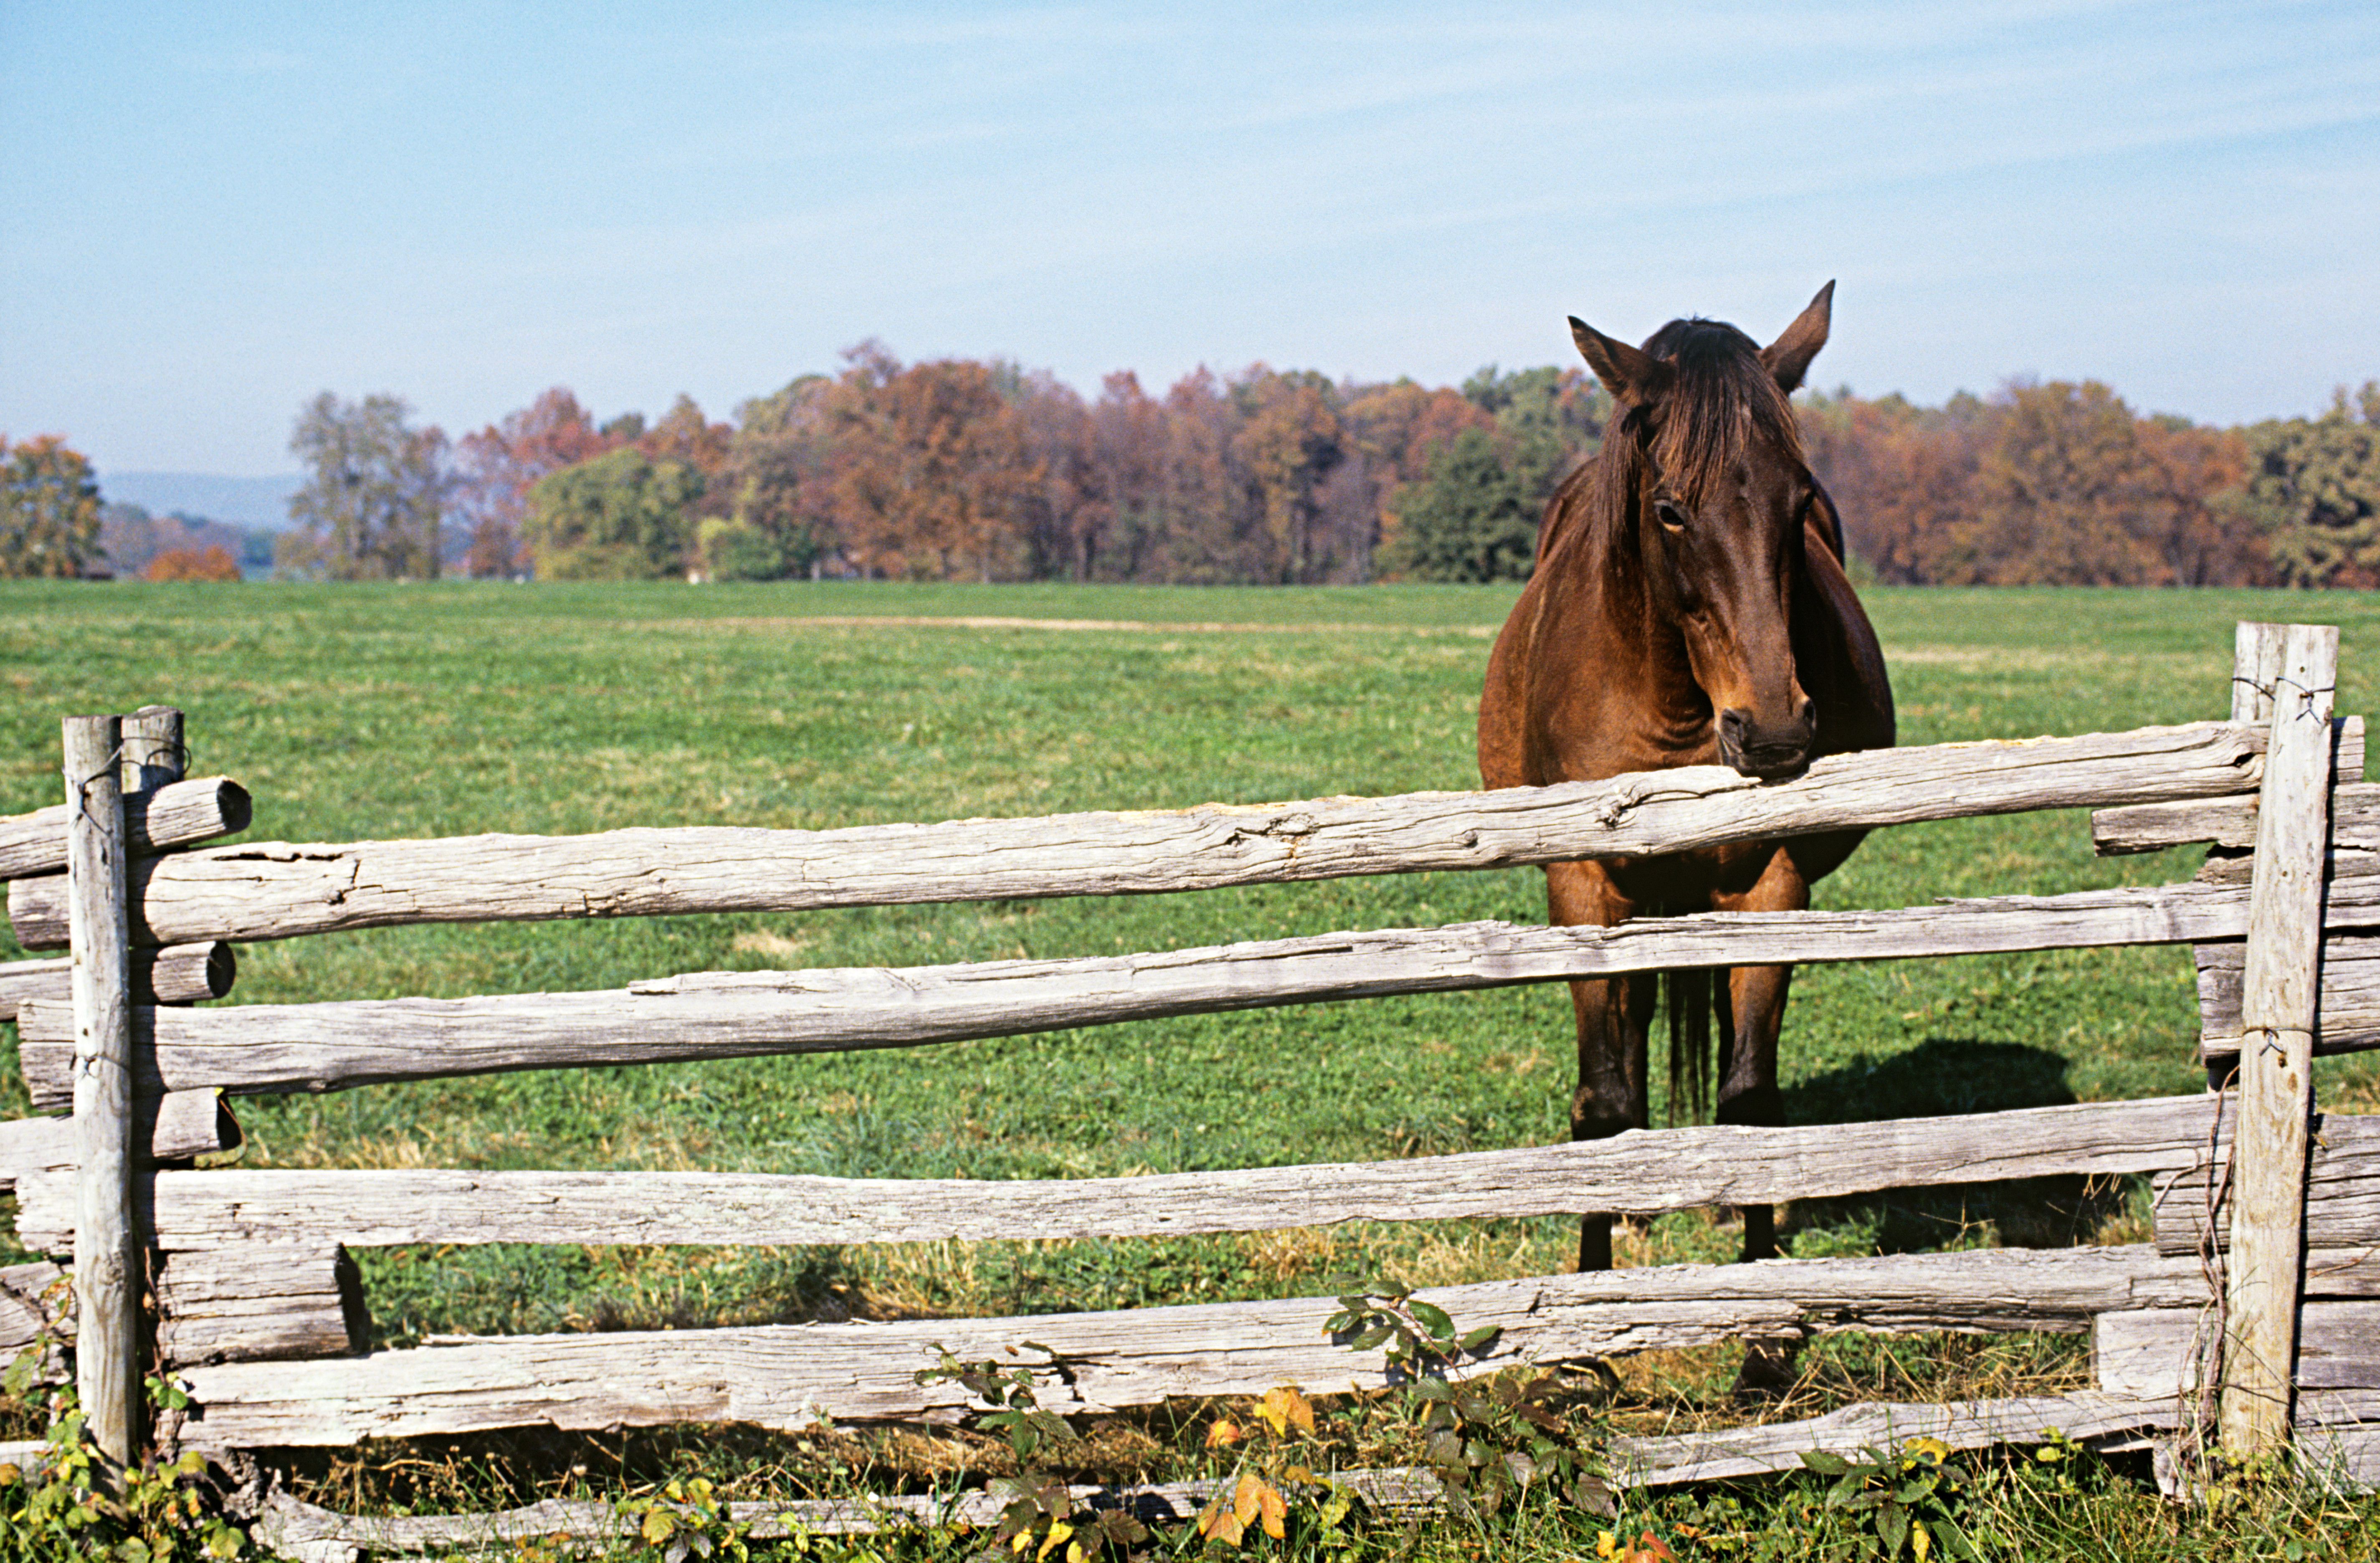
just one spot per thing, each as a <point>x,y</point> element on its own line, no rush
<point>107,1258</point>
<point>2273,1132</point>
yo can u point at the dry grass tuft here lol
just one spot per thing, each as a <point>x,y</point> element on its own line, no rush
<point>761,942</point>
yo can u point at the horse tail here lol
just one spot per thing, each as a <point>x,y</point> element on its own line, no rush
<point>1690,1049</point>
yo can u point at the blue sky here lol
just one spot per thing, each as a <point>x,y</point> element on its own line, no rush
<point>215,211</point>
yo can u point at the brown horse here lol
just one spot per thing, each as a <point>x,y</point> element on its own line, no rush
<point>1689,607</point>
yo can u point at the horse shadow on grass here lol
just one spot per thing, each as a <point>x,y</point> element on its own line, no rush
<point>1944,1076</point>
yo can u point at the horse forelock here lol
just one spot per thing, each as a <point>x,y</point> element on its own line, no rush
<point>1722,395</point>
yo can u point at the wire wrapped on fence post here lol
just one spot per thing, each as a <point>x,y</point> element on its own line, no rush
<point>2279,1010</point>
<point>107,1254</point>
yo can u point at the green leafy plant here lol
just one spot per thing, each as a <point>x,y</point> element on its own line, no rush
<point>1040,1516</point>
<point>1489,1443</point>
<point>686,1519</point>
<point>71,1505</point>
<point>1421,1337</point>
<point>1016,1409</point>
<point>1906,1500</point>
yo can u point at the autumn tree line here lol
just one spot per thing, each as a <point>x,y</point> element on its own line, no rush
<point>960,470</point>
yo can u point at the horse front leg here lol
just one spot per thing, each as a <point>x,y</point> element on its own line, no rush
<point>1615,1019</point>
<point>1750,1021</point>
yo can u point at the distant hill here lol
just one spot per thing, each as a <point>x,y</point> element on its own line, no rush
<point>243,501</point>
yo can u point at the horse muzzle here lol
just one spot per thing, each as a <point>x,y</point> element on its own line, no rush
<point>1769,753</point>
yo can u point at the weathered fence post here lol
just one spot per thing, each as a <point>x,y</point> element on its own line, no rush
<point>2271,1138</point>
<point>107,1271</point>
<point>2255,663</point>
<point>154,756</point>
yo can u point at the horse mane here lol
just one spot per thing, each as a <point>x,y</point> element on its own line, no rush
<point>1720,394</point>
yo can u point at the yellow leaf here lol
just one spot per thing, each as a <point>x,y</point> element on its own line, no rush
<point>1934,1450</point>
<point>1275,1512</point>
<point>1606,1544</point>
<point>1217,1523</point>
<point>1074,1553</point>
<point>1059,1532</point>
<point>1223,1433</point>
<point>1284,1408</point>
<point>1920,1541</point>
<point>1245,1498</point>
<point>658,1526</point>
<point>1296,1473</point>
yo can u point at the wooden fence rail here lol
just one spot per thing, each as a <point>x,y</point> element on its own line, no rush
<point>268,890</point>
<point>788,1377</point>
<point>176,814</point>
<point>1641,1172</point>
<point>257,1048</point>
<point>178,973</point>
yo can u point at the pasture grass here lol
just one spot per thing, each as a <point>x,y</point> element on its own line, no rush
<point>452,708</point>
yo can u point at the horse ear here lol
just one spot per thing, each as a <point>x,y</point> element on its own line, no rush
<point>1787,357</point>
<point>1633,376</point>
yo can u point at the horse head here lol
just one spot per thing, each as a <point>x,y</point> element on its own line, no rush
<point>1708,482</point>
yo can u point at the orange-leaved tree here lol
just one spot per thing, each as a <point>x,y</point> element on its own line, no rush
<point>931,468</point>
<point>213,563</point>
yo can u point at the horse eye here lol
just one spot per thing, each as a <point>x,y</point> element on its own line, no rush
<point>1669,516</point>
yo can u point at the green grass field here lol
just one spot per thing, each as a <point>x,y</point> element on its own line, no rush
<point>367,711</point>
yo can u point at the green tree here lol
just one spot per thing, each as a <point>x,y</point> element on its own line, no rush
<point>2313,487</point>
<point>622,516</point>
<point>375,491</point>
<point>1548,420</point>
<point>774,487</point>
<point>49,509</point>
<point>1471,519</point>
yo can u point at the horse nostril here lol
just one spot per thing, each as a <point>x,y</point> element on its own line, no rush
<point>1767,751</point>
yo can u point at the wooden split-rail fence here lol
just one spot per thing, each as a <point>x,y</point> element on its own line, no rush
<point>2250,1322</point>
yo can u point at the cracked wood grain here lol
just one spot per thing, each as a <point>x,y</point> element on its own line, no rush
<point>2342,1192</point>
<point>265,1301</point>
<point>2151,1352</point>
<point>1642,1171</point>
<point>2347,1010</point>
<point>2230,823</point>
<point>177,1128</point>
<point>2272,1128</point>
<point>272,1047</point>
<point>278,891</point>
<point>174,815</point>
<point>311,1534</point>
<point>788,1377</point>
<point>178,973</point>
